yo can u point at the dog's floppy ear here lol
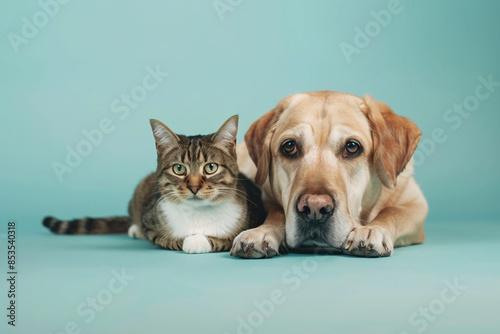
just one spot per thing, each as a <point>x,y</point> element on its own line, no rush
<point>395,139</point>
<point>258,140</point>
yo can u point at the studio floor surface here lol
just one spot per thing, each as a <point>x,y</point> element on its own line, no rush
<point>114,284</point>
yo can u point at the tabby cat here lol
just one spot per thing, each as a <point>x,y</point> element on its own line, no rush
<point>197,201</point>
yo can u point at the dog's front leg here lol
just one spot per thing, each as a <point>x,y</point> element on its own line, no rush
<point>267,240</point>
<point>394,226</point>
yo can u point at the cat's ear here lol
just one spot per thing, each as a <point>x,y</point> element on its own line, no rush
<point>225,137</point>
<point>164,137</point>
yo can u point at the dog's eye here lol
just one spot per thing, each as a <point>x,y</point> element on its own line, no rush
<point>289,147</point>
<point>352,148</point>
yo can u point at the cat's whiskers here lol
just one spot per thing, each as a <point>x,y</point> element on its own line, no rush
<point>236,192</point>
<point>157,191</point>
<point>169,195</point>
<point>160,190</point>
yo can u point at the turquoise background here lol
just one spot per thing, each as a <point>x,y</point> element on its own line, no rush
<point>64,79</point>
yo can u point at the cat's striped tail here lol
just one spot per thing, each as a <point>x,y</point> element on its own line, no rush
<point>88,225</point>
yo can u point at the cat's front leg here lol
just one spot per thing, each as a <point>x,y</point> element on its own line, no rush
<point>219,244</point>
<point>193,244</point>
<point>197,243</point>
<point>205,244</point>
<point>164,241</point>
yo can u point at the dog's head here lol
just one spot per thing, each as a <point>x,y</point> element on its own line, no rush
<point>327,156</point>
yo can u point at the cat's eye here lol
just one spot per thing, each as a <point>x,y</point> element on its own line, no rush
<point>211,168</point>
<point>179,169</point>
<point>352,148</point>
<point>289,147</point>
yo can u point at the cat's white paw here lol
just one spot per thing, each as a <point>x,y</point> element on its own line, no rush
<point>196,244</point>
<point>135,232</point>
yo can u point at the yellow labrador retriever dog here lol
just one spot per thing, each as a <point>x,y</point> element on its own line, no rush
<point>336,171</point>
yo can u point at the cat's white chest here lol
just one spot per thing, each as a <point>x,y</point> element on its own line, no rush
<point>216,220</point>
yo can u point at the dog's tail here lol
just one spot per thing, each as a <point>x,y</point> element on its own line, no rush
<point>109,225</point>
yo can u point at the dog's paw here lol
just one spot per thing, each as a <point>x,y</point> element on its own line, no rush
<point>257,243</point>
<point>369,241</point>
<point>135,232</point>
<point>196,244</point>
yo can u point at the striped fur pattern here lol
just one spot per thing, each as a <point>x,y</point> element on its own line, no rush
<point>196,201</point>
<point>88,225</point>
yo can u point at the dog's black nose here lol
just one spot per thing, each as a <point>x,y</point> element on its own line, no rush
<point>315,208</point>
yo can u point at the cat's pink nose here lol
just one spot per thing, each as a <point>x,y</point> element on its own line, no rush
<point>194,189</point>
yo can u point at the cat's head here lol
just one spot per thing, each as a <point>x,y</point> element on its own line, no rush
<point>196,169</point>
